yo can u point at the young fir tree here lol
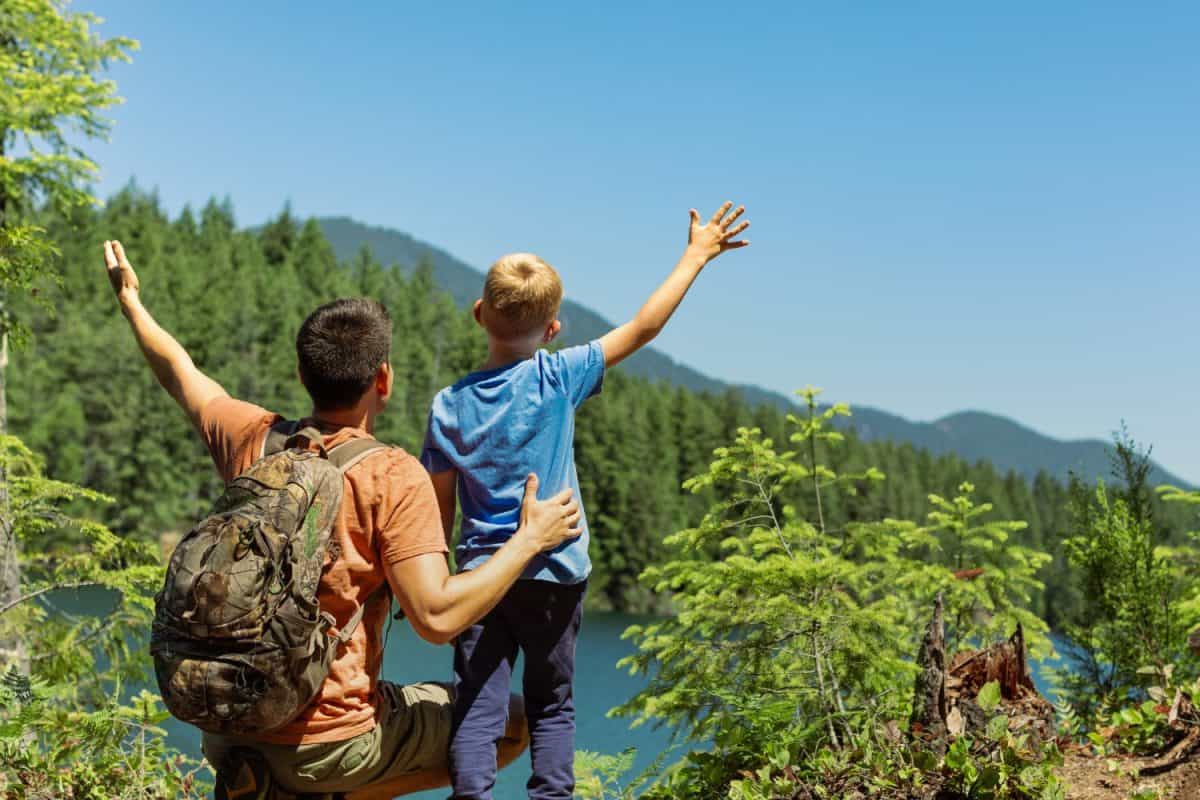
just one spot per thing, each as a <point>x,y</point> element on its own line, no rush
<point>989,581</point>
<point>785,628</point>
<point>1131,624</point>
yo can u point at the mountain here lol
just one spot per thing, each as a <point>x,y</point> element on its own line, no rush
<point>972,435</point>
<point>975,435</point>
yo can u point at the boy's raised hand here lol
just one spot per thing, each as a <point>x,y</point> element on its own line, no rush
<point>120,274</point>
<point>709,240</point>
<point>706,241</point>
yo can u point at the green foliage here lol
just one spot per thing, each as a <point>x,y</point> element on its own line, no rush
<point>67,730</point>
<point>598,776</point>
<point>791,635</point>
<point>1184,560</point>
<point>1002,765</point>
<point>776,623</point>
<point>52,100</point>
<point>1134,627</point>
<point>110,752</point>
<point>81,396</point>
<point>990,581</point>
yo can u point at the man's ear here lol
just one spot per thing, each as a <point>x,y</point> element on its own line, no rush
<point>477,310</point>
<point>384,380</point>
<point>552,331</point>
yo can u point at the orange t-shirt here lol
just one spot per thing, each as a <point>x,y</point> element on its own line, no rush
<point>389,513</point>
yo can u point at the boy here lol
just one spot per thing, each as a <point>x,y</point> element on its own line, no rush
<point>360,733</point>
<point>515,415</point>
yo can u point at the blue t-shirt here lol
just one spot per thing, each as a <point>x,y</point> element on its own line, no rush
<point>498,425</point>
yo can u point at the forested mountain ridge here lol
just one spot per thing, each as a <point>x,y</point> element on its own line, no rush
<point>971,435</point>
<point>1007,444</point>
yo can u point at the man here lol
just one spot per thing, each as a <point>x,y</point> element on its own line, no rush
<point>359,735</point>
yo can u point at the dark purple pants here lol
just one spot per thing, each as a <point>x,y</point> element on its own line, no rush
<point>542,620</point>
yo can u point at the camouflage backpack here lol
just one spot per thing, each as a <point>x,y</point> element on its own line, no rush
<point>239,641</point>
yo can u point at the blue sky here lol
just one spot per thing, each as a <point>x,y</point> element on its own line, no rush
<point>954,206</point>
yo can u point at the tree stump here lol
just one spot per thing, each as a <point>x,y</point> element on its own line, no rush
<point>928,720</point>
<point>944,703</point>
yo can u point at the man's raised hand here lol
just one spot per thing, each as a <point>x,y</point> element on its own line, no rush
<point>120,274</point>
<point>709,240</point>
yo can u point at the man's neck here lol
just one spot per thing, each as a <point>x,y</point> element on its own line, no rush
<point>356,417</point>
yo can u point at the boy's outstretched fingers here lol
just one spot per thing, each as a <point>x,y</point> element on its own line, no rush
<point>720,213</point>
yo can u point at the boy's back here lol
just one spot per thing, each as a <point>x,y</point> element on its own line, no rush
<point>496,425</point>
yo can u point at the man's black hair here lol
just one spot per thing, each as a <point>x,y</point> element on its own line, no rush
<point>340,347</point>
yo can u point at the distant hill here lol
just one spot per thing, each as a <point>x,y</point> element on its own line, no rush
<point>975,435</point>
<point>972,435</point>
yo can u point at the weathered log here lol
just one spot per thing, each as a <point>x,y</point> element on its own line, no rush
<point>929,695</point>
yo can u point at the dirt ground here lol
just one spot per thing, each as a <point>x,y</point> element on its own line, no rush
<point>1090,779</point>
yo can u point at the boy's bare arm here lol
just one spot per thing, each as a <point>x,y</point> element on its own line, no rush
<point>445,485</point>
<point>171,364</point>
<point>705,242</point>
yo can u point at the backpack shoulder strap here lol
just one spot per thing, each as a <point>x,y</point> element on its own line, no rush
<point>287,434</point>
<point>347,454</point>
<point>277,437</point>
<point>383,592</point>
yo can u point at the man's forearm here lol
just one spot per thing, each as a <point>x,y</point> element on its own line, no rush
<point>468,596</point>
<point>163,353</point>
<point>170,363</point>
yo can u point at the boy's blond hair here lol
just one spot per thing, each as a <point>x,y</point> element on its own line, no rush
<point>521,294</point>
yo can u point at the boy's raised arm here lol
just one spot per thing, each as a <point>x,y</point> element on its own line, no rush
<point>171,364</point>
<point>705,242</point>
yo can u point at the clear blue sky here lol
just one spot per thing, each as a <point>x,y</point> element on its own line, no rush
<point>954,207</point>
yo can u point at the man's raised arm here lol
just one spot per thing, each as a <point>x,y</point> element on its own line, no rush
<point>705,242</point>
<point>171,364</point>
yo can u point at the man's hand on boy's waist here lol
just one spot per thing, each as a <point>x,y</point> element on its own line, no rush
<point>545,524</point>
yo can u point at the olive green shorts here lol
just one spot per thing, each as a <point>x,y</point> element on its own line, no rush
<point>413,735</point>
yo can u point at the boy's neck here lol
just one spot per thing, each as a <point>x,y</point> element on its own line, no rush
<point>502,354</point>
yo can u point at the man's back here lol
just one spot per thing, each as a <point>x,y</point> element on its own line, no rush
<point>495,426</point>
<point>387,487</point>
